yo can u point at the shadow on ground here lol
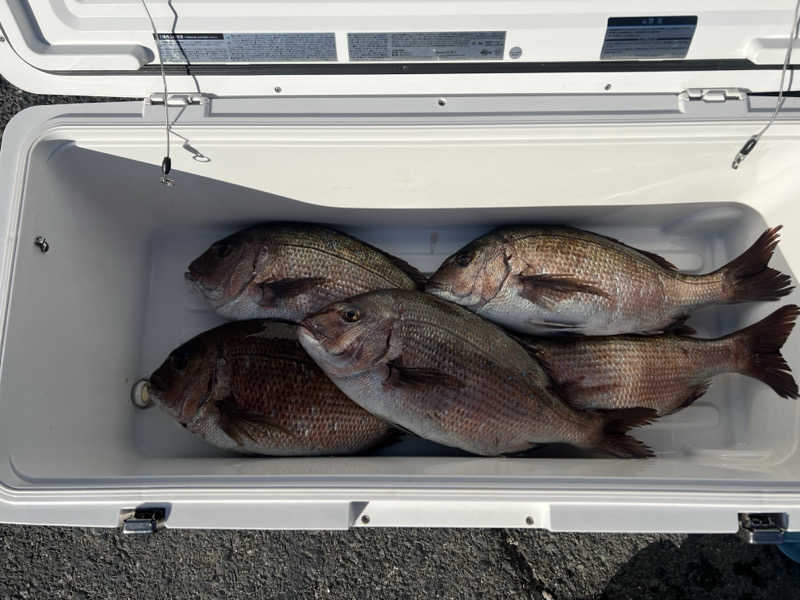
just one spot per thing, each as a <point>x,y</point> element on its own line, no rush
<point>705,566</point>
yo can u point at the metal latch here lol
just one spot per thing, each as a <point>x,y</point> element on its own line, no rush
<point>766,528</point>
<point>140,521</point>
<point>713,94</point>
<point>178,99</point>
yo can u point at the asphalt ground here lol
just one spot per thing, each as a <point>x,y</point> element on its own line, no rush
<point>63,562</point>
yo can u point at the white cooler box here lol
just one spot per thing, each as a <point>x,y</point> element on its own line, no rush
<point>417,155</point>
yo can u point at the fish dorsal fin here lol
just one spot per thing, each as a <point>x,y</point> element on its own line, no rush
<point>410,271</point>
<point>656,258</point>
<point>413,273</point>
<point>584,234</point>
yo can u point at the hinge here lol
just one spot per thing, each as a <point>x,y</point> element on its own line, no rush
<point>192,98</point>
<point>141,521</point>
<point>714,102</point>
<point>713,94</point>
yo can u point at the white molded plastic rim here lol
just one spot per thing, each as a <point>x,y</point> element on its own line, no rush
<point>102,308</point>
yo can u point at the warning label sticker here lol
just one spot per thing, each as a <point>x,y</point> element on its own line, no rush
<point>440,45</point>
<point>246,47</point>
<point>648,37</point>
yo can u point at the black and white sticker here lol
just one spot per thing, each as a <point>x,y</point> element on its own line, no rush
<point>648,37</point>
<point>431,46</point>
<point>246,47</point>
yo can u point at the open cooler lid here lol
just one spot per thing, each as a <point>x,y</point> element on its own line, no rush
<point>382,47</point>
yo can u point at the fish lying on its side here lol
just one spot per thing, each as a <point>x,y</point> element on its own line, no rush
<point>249,386</point>
<point>448,375</point>
<point>289,270</point>
<point>666,372</point>
<point>546,280</point>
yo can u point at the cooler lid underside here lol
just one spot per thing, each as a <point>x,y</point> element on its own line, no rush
<point>382,47</point>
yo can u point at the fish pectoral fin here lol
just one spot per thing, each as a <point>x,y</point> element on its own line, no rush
<point>556,327</point>
<point>679,327</point>
<point>548,289</point>
<point>400,375</point>
<point>238,423</point>
<point>274,291</point>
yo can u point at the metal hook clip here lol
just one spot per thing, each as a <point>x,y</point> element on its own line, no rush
<point>746,149</point>
<point>166,167</point>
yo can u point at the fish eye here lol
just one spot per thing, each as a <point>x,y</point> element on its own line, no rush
<point>464,259</point>
<point>351,315</point>
<point>221,249</point>
<point>179,360</point>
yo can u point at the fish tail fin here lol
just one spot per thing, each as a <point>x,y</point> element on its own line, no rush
<point>758,350</point>
<point>749,279</point>
<point>615,426</point>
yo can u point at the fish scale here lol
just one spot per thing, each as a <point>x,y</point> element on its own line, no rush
<point>289,270</point>
<point>545,280</point>
<point>624,372</point>
<point>281,403</point>
<point>314,249</point>
<point>641,289</point>
<point>664,372</point>
<point>448,375</point>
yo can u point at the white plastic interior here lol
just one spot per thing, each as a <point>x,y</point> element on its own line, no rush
<point>107,303</point>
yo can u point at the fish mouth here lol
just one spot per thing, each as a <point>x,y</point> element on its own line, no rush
<point>310,329</point>
<point>442,290</point>
<point>211,293</point>
<point>471,299</point>
<point>315,337</point>
<point>446,293</point>
<point>157,383</point>
<point>433,286</point>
